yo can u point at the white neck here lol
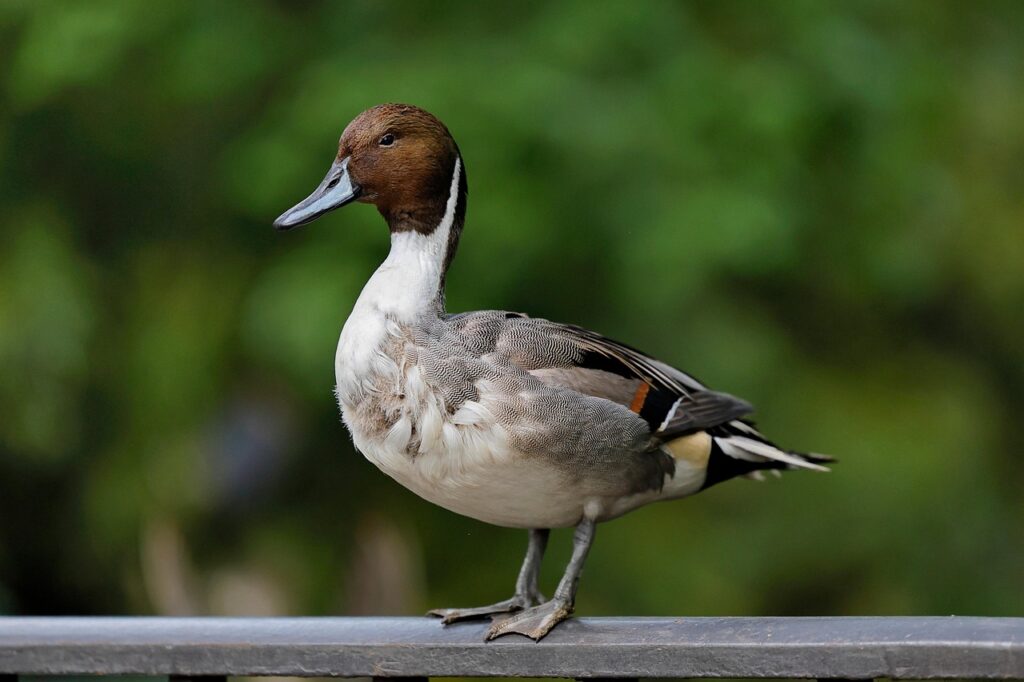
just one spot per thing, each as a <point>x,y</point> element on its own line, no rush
<point>408,283</point>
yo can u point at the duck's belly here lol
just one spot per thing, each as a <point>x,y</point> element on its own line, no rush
<point>471,470</point>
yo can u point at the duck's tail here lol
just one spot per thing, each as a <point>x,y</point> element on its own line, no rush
<point>739,449</point>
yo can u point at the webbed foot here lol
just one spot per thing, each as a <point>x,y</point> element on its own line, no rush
<point>516,603</point>
<point>533,622</point>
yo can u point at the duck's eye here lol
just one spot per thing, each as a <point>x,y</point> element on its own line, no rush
<point>387,140</point>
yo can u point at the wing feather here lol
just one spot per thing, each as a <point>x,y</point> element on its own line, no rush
<point>672,402</point>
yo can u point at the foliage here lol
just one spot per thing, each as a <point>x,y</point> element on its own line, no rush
<point>817,206</point>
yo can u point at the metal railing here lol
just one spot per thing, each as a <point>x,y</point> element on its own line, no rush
<point>823,648</point>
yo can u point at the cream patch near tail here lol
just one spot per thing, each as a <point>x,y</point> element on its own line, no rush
<point>691,454</point>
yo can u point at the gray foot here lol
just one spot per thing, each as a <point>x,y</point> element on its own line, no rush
<point>516,603</point>
<point>533,622</point>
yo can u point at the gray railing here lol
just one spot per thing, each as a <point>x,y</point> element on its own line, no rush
<point>824,648</point>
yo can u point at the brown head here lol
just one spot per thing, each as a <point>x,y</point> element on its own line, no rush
<point>399,158</point>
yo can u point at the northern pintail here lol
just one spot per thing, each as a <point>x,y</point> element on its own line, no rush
<point>505,418</point>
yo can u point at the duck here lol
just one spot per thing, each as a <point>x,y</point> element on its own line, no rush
<point>512,420</point>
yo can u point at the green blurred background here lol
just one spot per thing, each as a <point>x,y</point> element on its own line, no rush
<point>817,206</point>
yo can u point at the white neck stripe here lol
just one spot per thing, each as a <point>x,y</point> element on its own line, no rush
<point>453,200</point>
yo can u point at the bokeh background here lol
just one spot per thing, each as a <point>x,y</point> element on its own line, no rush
<point>817,206</point>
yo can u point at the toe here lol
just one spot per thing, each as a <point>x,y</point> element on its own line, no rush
<point>449,616</point>
<point>534,623</point>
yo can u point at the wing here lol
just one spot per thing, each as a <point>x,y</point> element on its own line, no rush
<point>673,403</point>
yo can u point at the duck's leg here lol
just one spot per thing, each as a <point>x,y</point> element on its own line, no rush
<point>537,621</point>
<point>527,593</point>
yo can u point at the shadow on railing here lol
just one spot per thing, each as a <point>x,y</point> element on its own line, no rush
<point>823,648</point>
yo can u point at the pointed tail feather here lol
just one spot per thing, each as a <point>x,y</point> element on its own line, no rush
<point>745,448</point>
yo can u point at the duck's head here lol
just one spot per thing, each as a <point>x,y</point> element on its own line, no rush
<point>399,158</point>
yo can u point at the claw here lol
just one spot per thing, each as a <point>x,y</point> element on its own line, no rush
<point>535,622</point>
